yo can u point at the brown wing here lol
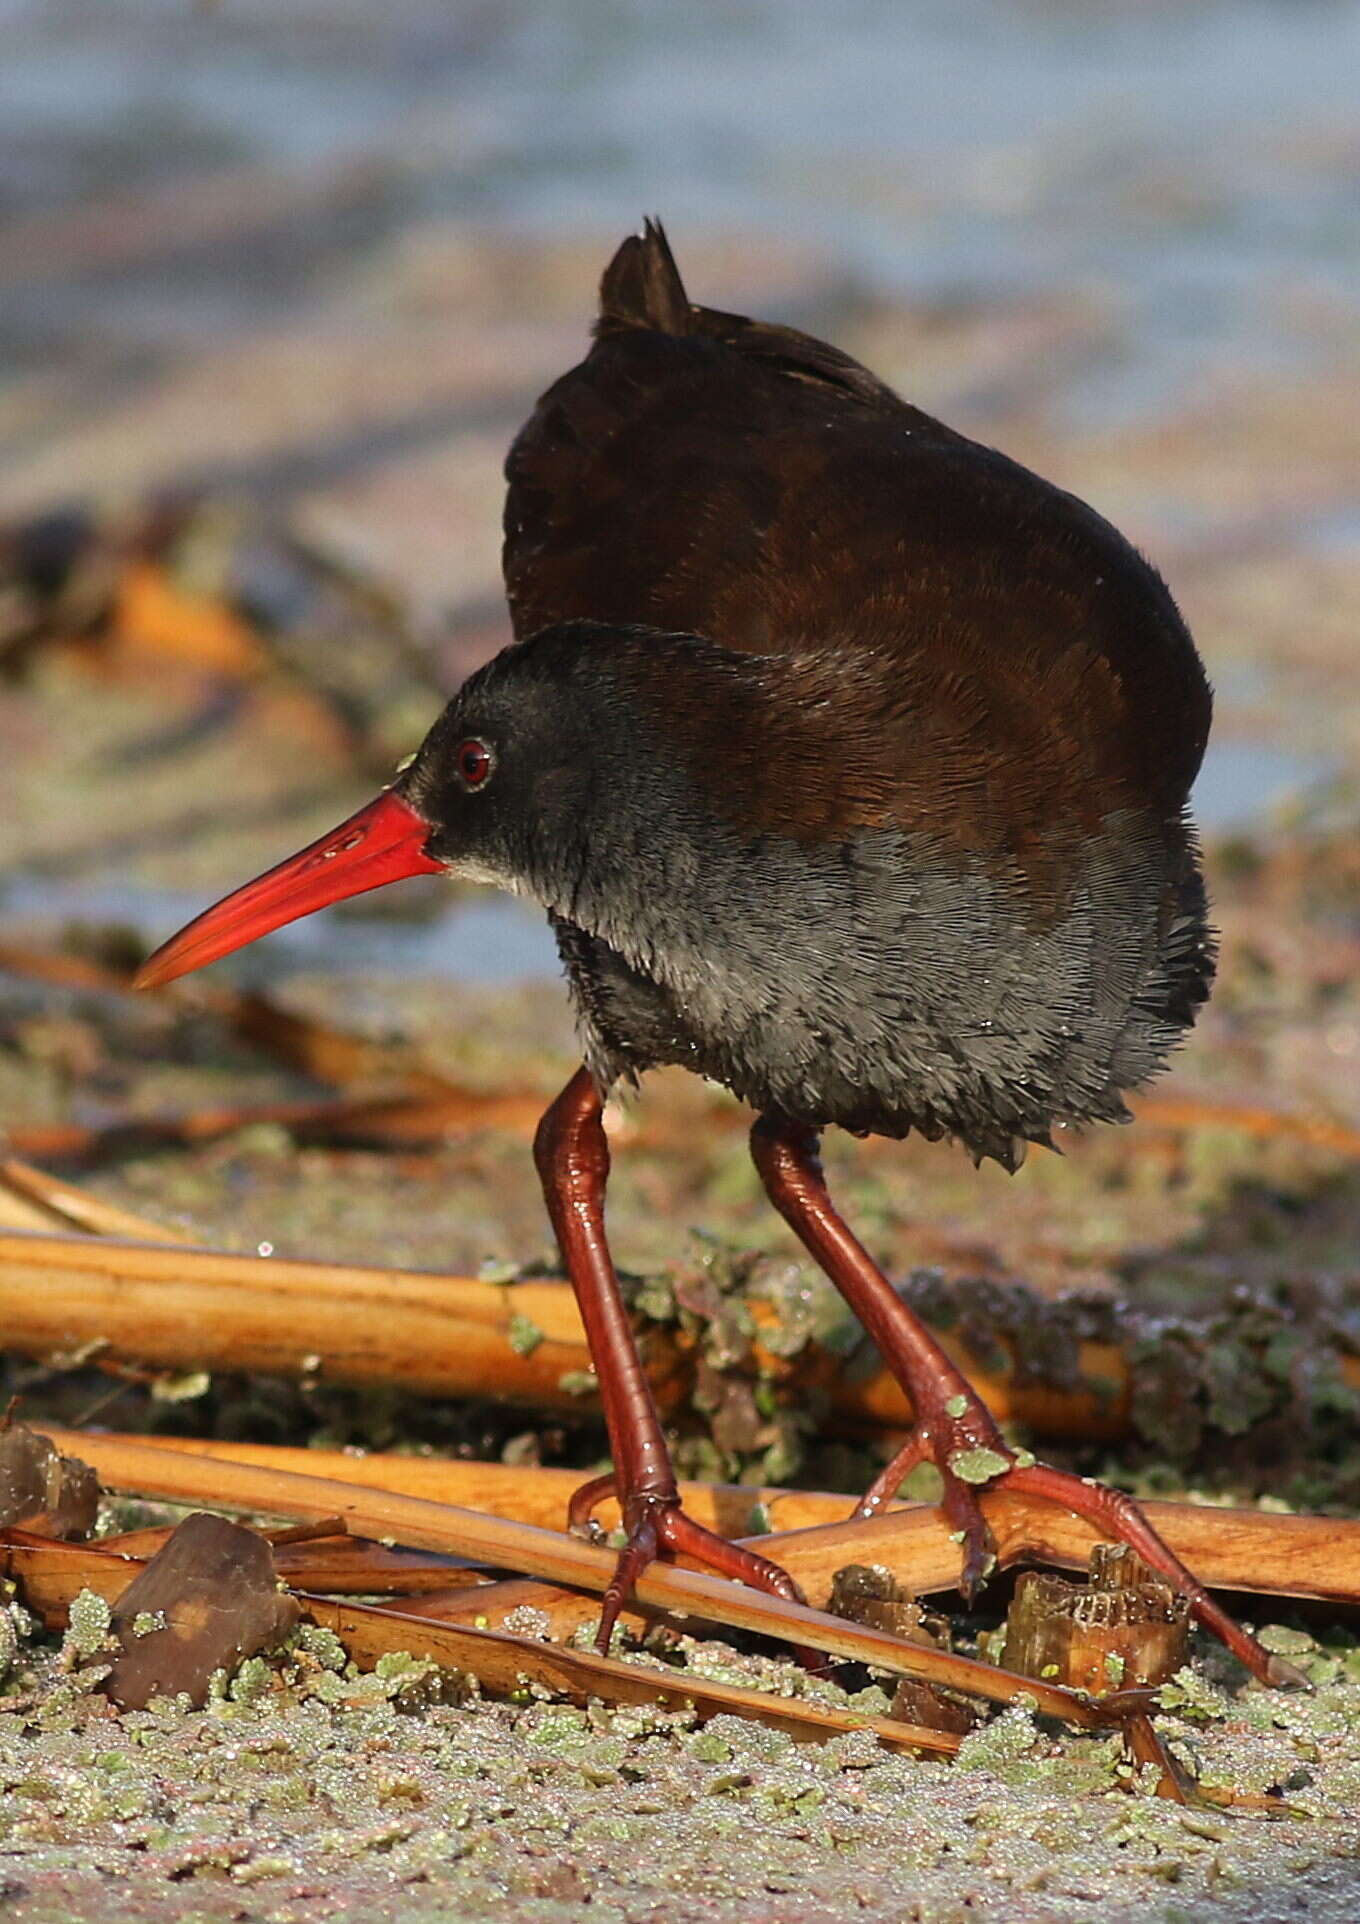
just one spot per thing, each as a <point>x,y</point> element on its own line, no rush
<point>705,473</point>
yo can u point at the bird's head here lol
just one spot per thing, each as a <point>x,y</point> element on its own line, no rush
<point>502,790</point>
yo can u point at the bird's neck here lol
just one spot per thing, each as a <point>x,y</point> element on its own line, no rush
<point>641,878</point>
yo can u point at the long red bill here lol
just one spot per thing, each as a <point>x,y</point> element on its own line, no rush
<point>382,842</point>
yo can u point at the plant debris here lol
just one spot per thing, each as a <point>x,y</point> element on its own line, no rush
<point>205,1602</point>
<point>128,1463</point>
<point>763,1372</point>
<point>869,1593</point>
<point>1124,1627</point>
<point>40,1489</point>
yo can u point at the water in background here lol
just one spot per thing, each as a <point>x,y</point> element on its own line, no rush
<point>1184,162</point>
<point>1188,168</point>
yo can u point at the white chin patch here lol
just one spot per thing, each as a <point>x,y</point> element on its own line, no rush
<point>471,870</point>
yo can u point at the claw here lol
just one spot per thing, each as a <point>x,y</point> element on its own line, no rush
<point>580,1522</point>
<point>1285,1675</point>
<point>979,1551</point>
<point>642,1548</point>
<point>655,1526</point>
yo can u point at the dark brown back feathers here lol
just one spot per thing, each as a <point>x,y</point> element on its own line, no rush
<point>704,473</point>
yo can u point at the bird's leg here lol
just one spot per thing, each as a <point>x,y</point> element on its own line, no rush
<point>572,1155</point>
<point>953,1428</point>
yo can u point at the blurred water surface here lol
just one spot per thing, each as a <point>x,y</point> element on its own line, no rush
<point>1185,163</point>
<point>1183,171</point>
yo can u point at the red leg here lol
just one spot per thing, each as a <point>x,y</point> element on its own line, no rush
<point>953,1428</point>
<point>573,1164</point>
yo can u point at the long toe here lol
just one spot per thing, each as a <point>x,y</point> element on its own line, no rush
<point>1118,1516</point>
<point>967,1449</point>
<point>960,1504</point>
<point>642,1548</point>
<point>659,1527</point>
<point>689,1539</point>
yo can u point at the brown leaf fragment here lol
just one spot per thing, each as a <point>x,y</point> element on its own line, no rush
<point>40,1489</point>
<point>205,1602</point>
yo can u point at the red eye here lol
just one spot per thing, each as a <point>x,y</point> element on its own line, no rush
<point>474,763</point>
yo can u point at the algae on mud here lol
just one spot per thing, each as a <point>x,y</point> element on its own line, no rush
<point>373,1796</point>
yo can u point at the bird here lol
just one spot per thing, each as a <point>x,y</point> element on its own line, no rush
<point>850,762</point>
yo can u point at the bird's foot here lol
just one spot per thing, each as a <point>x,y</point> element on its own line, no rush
<point>654,1525</point>
<point>958,1435</point>
<point>1118,1516</point>
<point>961,1439</point>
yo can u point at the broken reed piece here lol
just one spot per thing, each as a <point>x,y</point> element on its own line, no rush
<point>1181,1114</point>
<point>207,1600</point>
<point>189,1309</point>
<point>428,1333</point>
<point>528,1607</point>
<point>370,1122</point>
<point>1126,1626</point>
<point>22,1210</point>
<point>404,1113</point>
<point>349,1566</point>
<point>503,1663</point>
<point>416,1109</point>
<point>406,1103</point>
<point>323,1526</point>
<point>135,1466</point>
<point>339,1565</point>
<point>30,1199</point>
<point>814,1533</point>
<point>528,1494</point>
<point>551,1609</point>
<point>63,969</point>
<point>512,1603</point>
